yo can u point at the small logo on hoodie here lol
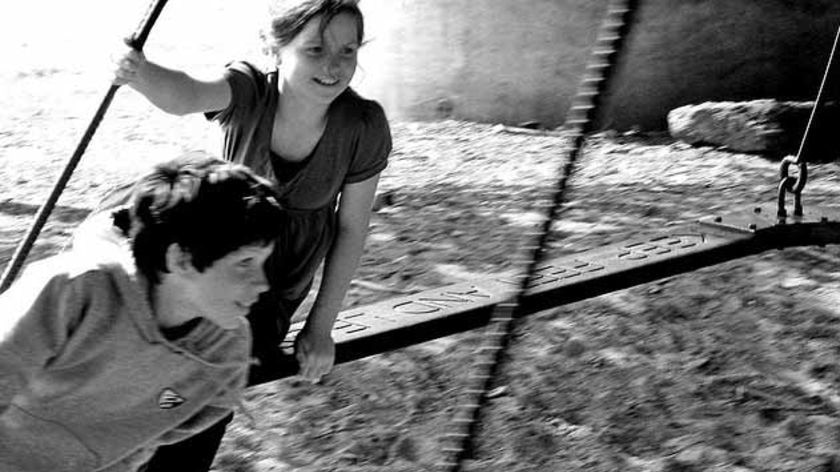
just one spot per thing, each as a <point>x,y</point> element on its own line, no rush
<point>169,399</point>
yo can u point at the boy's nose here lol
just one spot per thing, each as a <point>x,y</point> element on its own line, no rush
<point>259,280</point>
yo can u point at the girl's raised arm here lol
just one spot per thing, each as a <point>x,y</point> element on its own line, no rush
<point>171,90</point>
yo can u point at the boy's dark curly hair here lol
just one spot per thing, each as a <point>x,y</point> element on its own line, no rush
<point>209,207</point>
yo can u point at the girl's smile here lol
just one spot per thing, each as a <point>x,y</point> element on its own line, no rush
<point>319,64</point>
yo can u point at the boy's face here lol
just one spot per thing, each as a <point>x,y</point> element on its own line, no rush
<point>224,292</point>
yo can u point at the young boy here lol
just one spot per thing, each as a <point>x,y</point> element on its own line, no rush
<point>104,356</point>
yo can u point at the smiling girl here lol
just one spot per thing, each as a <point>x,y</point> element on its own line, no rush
<point>323,146</point>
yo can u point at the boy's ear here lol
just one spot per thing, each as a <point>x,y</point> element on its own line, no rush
<point>178,260</point>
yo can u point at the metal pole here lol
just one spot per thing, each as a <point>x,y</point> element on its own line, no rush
<point>491,355</point>
<point>136,41</point>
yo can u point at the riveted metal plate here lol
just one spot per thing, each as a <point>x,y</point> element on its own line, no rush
<point>408,320</point>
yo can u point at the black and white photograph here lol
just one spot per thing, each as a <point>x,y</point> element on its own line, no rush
<point>420,236</point>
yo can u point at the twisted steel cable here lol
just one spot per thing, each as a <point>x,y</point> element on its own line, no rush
<point>490,356</point>
<point>136,41</point>
<point>795,185</point>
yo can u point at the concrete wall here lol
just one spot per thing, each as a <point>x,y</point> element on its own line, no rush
<point>512,61</point>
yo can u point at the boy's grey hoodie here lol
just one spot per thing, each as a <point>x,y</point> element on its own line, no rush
<point>87,380</point>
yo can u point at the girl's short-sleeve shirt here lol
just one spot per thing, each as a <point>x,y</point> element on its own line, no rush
<point>354,147</point>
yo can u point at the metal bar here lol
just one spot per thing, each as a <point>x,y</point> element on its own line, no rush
<point>431,314</point>
<point>489,359</point>
<point>136,40</point>
<point>22,250</point>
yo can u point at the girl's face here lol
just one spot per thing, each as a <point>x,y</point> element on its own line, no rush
<point>320,67</point>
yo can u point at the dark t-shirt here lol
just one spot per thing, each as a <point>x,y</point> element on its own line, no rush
<point>354,147</point>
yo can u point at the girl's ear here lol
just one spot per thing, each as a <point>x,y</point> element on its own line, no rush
<point>178,260</point>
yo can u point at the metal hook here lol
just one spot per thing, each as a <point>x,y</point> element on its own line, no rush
<point>794,185</point>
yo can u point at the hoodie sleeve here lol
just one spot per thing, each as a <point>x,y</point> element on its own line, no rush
<point>34,324</point>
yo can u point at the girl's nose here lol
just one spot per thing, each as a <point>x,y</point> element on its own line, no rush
<point>333,65</point>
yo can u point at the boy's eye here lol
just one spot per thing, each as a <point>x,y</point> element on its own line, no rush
<point>314,50</point>
<point>246,262</point>
<point>348,51</point>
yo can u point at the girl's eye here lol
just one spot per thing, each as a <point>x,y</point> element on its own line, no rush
<point>315,50</point>
<point>349,51</point>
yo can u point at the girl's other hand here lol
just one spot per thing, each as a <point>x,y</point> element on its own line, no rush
<point>315,352</point>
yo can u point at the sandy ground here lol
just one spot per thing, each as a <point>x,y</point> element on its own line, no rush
<point>729,368</point>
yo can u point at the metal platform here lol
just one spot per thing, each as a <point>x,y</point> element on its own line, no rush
<point>431,314</point>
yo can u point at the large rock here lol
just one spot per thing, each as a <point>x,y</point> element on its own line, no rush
<point>764,126</point>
